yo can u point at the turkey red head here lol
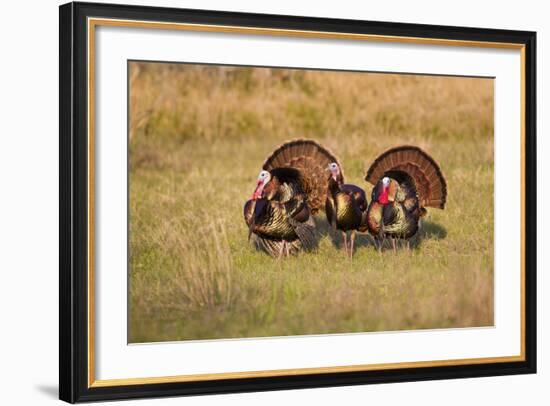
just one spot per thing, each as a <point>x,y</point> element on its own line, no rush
<point>386,190</point>
<point>383,196</point>
<point>263,179</point>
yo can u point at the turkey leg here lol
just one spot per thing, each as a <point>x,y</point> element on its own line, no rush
<point>345,236</point>
<point>352,241</point>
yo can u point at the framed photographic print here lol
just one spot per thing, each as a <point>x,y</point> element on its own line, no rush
<point>257,202</point>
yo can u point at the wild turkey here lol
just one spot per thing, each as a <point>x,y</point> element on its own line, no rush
<point>345,207</point>
<point>406,180</point>
<point>290,188</point>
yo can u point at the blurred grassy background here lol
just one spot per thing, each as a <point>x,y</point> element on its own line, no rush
<point>198,137</point>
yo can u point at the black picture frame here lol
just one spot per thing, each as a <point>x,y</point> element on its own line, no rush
<point>73,284</point>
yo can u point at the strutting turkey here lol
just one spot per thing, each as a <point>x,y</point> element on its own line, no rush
<point>290,189</point>
<point>406,180</point>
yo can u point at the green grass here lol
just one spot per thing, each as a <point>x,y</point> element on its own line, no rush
<point>198,139</point>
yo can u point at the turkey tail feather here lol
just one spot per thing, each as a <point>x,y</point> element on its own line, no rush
<point>430,183</point>
<point>311,159</point>
<point>306,233</point>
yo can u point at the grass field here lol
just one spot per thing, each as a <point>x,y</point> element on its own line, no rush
<point>198,137</point>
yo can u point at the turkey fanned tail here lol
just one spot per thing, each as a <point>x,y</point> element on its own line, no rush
<point>410,162</point>
<point>311,160</point>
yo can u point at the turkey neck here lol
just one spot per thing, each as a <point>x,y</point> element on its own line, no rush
<point>334,186</point>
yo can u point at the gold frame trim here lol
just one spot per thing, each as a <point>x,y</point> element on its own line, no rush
<point>94,22</point>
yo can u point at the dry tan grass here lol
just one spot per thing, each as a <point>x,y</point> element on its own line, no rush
<point>198,137</point>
